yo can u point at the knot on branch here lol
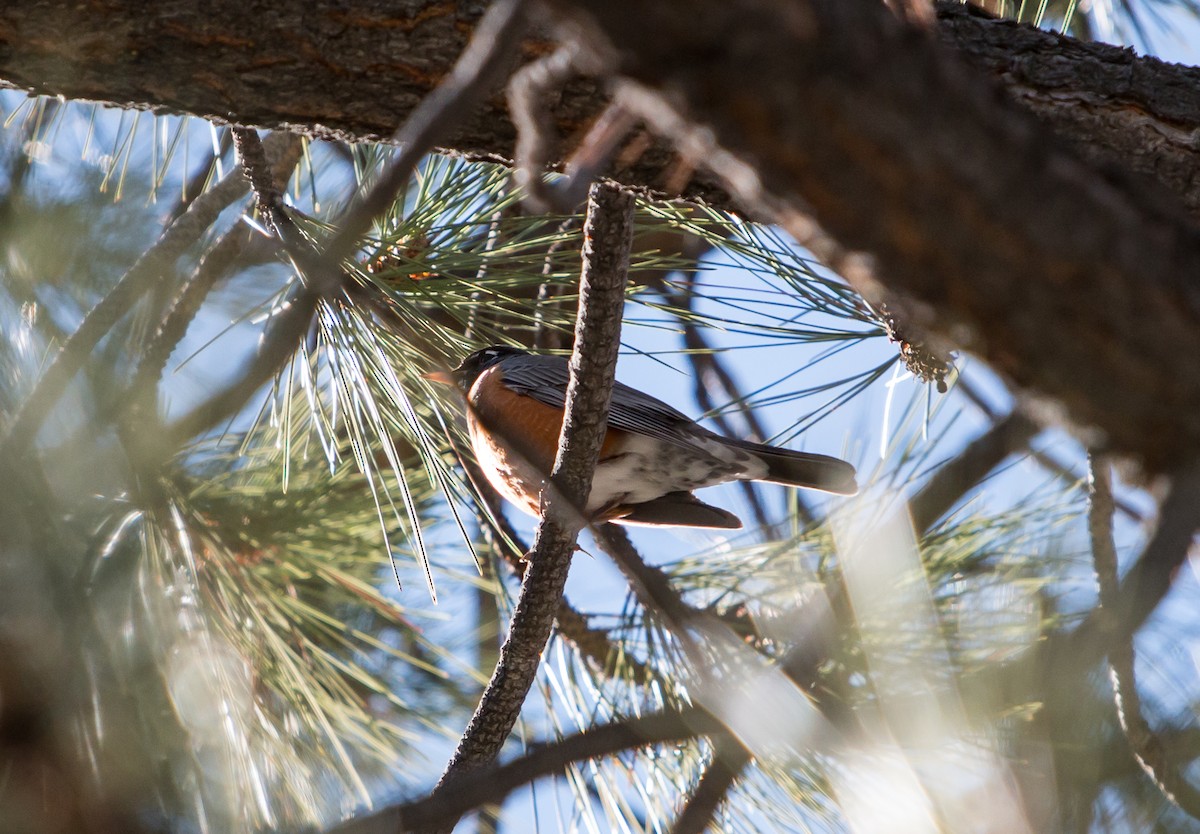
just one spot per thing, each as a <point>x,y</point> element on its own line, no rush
<point>923,358</point>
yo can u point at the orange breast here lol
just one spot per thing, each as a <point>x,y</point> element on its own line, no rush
<point>515,438</point>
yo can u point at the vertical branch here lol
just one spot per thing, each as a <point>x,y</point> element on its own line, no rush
<point>608,236</point>
<point>1148,750</point>
<point>1054,669</point>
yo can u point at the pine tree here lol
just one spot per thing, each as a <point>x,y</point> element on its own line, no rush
<point>252,578</point>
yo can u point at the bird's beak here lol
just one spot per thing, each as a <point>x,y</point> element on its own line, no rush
<point>441,377</point>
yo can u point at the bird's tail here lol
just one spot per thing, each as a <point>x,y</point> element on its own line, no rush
<point>804,469</point>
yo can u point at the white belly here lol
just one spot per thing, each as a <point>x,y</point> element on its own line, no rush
<point>646,469</point>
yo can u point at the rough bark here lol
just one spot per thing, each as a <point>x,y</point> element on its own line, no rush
<point>355,71</point>
<point>1113,106</point>
<point>324,68</point>
<point>1073,281</point>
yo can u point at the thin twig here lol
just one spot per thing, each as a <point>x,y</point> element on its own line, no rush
<point>956,477</point>
<point>608,238</point>
<point>651,585</point>
<point>214,265</point>
<point>546,336</point>
<point>1148,750</point>
<point>322,278</point>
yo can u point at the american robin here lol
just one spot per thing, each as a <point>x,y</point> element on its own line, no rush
<point>651,459</point>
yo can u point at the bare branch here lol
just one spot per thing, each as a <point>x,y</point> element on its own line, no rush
<point>650,584</point>
<point>956,477</point>
<point>531,89</point>
<point>608,235</point>
<point>492,784</point>
<point>194,186</point>
<point>730,759</point>
<point>592,643</point>
<point>1149,751</point>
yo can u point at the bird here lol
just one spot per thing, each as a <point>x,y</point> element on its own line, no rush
<point>651,459</point>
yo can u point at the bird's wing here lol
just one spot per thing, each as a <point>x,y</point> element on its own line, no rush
<point>545,379</point>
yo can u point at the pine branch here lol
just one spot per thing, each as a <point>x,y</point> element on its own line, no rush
<point>156,262</point>
<point>1147,748</point>
<point>470,80</point>
<point>141,399</point>
<point>608,238</point>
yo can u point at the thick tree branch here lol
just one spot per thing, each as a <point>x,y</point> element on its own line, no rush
<point>355,75</point>
<point>1111,105</point>
<point>608,236</point>
<point>962,200</point>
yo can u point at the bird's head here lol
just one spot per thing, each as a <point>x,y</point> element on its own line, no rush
<point>469,369</point>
